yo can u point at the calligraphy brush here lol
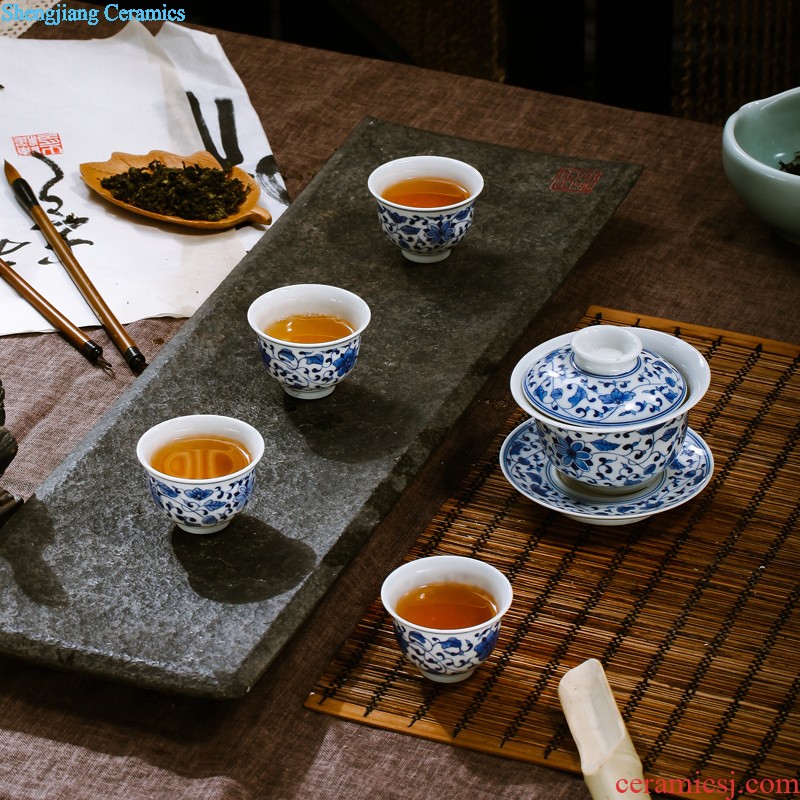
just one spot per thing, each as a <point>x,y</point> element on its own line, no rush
<point>71,332</point>
<point>123,342</point>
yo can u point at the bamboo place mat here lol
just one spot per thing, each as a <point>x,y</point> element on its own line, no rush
<point>693,612</point>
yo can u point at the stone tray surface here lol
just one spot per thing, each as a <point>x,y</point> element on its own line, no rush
<point>92,578</point>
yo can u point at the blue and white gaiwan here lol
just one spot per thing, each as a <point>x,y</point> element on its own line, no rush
<point>611,403</point>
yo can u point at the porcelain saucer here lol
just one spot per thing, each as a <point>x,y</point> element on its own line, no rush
<point>529,471</point>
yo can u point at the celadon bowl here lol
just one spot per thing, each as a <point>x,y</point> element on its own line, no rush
<point>755,140</point>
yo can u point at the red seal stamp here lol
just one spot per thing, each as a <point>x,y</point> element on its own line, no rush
<point>48,144</point>
<point>580,180</point>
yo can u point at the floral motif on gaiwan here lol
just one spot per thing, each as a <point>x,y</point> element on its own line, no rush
<point>425,234</point>
<point>609,459</point>
<point>650,390</point>
<point>529,470</point>
<point>573,453</point>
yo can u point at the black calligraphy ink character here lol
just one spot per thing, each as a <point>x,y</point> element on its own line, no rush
<point>64,223</point>
<point>266,170</point>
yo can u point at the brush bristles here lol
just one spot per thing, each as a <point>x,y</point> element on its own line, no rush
<point>11,173</point>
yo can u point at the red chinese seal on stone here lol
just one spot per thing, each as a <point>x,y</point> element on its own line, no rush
<point>580,180</point>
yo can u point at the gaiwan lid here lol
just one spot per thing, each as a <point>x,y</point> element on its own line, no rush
<point>604,378</point>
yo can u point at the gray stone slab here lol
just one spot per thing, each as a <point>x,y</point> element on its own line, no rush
<point>92,578</point>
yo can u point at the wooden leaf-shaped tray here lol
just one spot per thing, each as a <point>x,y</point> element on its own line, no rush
<point>93,173</point>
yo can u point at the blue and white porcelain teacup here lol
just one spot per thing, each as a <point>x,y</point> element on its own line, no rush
<point>309,371</point>
<point>425,234</point>
<point>201,505</point>
<point>446,655</point>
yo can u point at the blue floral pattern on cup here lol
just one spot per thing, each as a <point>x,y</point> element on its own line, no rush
<point>650,390</point>
<point>309,369</point>
<point>605,459</point>
<point>446,654</point>
<point>425,234</point>
<point>202,506</point>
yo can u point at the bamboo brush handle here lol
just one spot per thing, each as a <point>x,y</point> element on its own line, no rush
<point>118,334</point>
<point>71,331</point>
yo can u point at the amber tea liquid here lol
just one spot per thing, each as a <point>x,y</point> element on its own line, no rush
<point>310,328</point>
<point>201,457</point>
<point>425,193</point>
<point>446,606</point>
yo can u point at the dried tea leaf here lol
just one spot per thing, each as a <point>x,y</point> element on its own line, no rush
<point>793,167</point>
<point>191,192</point>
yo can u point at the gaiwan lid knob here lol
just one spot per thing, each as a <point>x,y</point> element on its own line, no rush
<point>604,378</point>
<point>605,350</point>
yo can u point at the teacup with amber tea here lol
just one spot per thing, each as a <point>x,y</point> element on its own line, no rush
<point>425,203</point>
<point>309,336</point>
<point>201,468</point>
<point>446,612</point>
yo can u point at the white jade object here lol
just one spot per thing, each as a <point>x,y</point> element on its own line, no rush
<point>610,765</point>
